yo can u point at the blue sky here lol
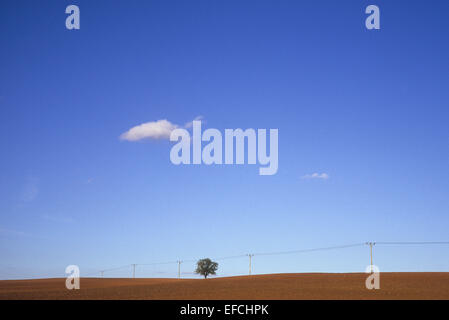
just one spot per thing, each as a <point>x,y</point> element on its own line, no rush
<point>368,108</point>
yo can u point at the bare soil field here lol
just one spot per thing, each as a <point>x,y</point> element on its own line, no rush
<point>422,285</point>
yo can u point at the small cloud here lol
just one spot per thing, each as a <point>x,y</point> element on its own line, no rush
<point>90,180</point>
<point>160,129</point>
<point>8,232</point>
<point>189,125</point>
<point>323,176</point>
<point>4,232</point>
<point>30,190</point>
<point>57,219</point>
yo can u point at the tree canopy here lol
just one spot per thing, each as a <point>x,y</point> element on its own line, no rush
<point>206,267</point>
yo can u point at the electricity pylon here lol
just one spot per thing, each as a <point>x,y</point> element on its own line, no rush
<point>371,244</point>
<point>250,256</point>
<point>179,269</point>
<point>134,270</point>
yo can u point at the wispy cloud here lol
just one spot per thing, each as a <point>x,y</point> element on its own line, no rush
<point>9,232</point>
<point>156,130</point>
<point>30,190</point>
<point>160,129</point>
<point>58,219</point>
<point>189,124</point>
<point>322,176</point>
<point>6,232</point>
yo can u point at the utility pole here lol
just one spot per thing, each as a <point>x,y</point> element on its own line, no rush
<point>134,270</point>
<point>371,244</point>
<point>250,256</point>
<point>179,269</point>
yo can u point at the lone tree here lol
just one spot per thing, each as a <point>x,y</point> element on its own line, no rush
<point>206,267</point>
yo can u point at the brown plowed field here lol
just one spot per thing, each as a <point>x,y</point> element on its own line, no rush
<point>421,285</point>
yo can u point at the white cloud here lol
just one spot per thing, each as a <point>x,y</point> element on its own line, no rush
<point>60,219</point>
<point>190,124</point>
<point>323,176</point>
<point>15,233</point>
<point>9,232</point>
<point>30,190</point>
<point>160,129</point>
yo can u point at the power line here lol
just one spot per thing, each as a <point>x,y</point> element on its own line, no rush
<point>413,242</point>
<point>157,263</point>
<point>117,268</point>
<point>191,260</point>
<point>371,244</point>
<point>101,272</point>
<point>310,250</point>
<point>231,257</point>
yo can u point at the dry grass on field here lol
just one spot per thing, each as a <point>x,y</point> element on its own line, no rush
<point>423,285</point>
